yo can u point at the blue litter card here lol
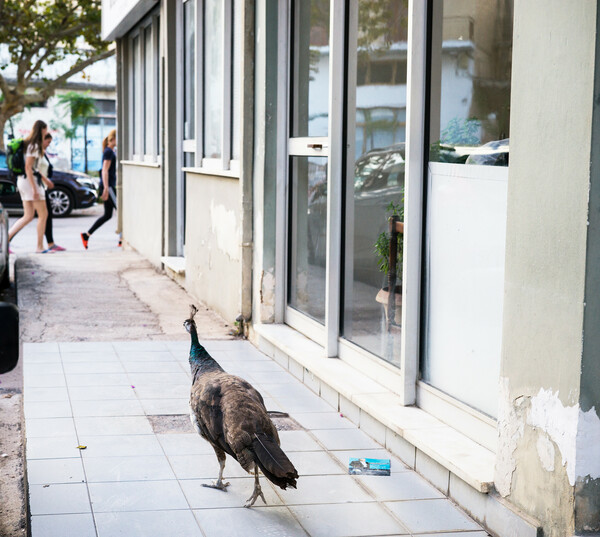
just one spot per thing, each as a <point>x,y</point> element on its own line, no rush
<point>358,466</point>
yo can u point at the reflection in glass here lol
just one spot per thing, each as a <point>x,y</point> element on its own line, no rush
<point>310,69</point>
<point>375,182</point>
<point>308,235</point>
<point>471,51</point>
<point>189,70</point>
<point>213,78</point>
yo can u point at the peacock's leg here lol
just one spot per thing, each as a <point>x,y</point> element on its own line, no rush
<point>218,484</point>
<point>257,491</point>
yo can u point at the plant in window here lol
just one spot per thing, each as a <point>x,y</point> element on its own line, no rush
<point>382,244</point>
<point>392,302</point>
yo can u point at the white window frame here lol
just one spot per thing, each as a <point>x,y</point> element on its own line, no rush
<point>225,165</point>
<point>139,108</point>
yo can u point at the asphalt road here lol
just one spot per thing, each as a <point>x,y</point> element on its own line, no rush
<point>105,293</point>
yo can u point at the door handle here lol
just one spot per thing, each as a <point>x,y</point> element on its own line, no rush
<point>318,147</point>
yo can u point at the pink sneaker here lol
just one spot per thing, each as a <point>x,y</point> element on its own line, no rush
<point>57,248</point>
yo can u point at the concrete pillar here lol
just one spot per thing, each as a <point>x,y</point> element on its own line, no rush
<point>548,460</point>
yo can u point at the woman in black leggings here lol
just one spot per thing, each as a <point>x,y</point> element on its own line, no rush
<point>109,183</point>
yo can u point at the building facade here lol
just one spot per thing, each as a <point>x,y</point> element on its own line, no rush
<point>264,145</point>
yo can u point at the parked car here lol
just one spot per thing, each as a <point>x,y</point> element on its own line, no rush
<point>378,181</point>
<point>3,247</point>
<point>72,190</point>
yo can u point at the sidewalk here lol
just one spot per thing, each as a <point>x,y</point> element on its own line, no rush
<point>141,471</point>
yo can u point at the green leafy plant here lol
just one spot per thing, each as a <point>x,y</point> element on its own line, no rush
<point>382,244</point>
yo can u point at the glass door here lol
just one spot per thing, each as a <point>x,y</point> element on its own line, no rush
<point>308,152</point>
<point>375,144</point>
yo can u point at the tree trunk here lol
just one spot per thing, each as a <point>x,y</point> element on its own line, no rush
<point>2,125</point>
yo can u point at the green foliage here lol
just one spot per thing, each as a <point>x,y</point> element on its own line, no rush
<point>37,34</point>
<point>382,244</point>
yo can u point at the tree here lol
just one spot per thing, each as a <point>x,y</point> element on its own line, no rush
<point>80,107</point>
<point>36,34</point>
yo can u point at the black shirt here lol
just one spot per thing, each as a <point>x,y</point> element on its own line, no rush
<point>109,154</point>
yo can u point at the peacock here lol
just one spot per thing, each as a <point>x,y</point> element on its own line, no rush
<point>230,413</point>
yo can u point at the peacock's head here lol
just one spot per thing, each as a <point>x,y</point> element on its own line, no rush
<point>188,323</point>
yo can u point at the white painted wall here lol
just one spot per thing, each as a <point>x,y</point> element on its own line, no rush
<point>142,210</point>
<point>212,242</point>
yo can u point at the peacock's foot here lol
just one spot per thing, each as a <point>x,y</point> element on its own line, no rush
<point>255,495</point>
<point>217,484</point>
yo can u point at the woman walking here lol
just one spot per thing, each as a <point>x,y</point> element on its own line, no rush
<point>45,171</point>
<point>109,184</point>
<point>31,190</point>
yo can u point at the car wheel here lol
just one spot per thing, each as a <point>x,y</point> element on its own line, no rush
<point>61,201</point>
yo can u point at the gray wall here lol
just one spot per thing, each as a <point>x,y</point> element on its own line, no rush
<point>539,459</point>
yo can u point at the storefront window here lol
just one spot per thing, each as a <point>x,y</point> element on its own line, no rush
<point>471,45</point>
<point>471,51</point>
<point>375,183</point>
<point>310,74</point>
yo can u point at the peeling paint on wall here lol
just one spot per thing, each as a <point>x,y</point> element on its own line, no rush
<point>546,452</point>
<point>267,297</point>
<point>510,429</point>
<point>224,226</point>
<point>559,422</point>
<point>575,433</point>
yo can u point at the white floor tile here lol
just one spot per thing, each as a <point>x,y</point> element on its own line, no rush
<point>58,499</point>
<point>347,520</point>
<point>30,349</point>
<point>47,471</point>
<point>315,463</point>
<point>158,379</point>
<point>185,444</point>
<point>343,439</point>
<point>298,441</point>
<point>31,370</point>
<point>145,357</point>
<point>108,407</point>
<point>122,425</point>
<point>136,496</point>
<point>148,524</point>
<point>431,516</point>
<point>139,346</point>
<point>49,427</point>
<point>82,368</point>
<point>98,393</point>
<point>44,381</point>
<point>171,391</point>
<point>325,489</point>
<point>46,394</point>
<point>271,521</point>
<point>204,467</point>
<point>121,446</point>
<point>239,490</point>
<point>137,468</point>
<point>53,447</point>
<point>323,420</point>
<point>152,367</point>
<point>401,486</point>
<point>47,409</point>
<point>165,406</point>
<point>89,358</point>
<point>79,525</point>
<point>98,379</point>
<point>86,346</point>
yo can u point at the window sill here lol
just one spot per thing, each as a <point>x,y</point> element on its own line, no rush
<point>141,163</point>
<point>175,264</point>
<point>210,171</point>
<point>451,449</point>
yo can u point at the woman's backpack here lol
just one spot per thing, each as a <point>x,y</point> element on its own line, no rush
<point>15,157</point>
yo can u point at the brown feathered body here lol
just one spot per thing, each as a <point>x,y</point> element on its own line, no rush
<point>230,413</point>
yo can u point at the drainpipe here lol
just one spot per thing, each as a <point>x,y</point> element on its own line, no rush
<point>247,152</point>
<point>121,134</point>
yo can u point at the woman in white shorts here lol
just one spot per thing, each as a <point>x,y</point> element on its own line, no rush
<point>32,192</point>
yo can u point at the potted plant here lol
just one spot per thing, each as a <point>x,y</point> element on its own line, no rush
<point>383,245</point>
